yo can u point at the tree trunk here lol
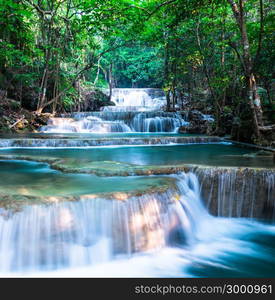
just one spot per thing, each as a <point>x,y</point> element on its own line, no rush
<point>251,85</point>
<point>110,81</point>
<point>98,70</point>
<point>166,74</point>
<point>168,100</point>
<point>43,88</point>
<point>56,88</point>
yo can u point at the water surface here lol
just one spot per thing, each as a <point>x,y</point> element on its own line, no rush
<point>31,178</point>
<point>219,154</point>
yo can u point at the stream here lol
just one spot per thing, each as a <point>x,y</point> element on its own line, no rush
<point>120,193</point>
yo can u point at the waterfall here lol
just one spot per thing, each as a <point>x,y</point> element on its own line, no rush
<point>86,125</point>
<point>165,234</point>
<point>138,99</point>
<point>91,231</point>
<point>135,110</point>
<point>238,192</point>
<point>161,122</point>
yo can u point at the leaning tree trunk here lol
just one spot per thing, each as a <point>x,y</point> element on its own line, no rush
<point>251,85</point>
<point>43,90</point>
<point>255,102</point>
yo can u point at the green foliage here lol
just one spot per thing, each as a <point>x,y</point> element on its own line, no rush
<point>137,65</point>
<point>189,48</point>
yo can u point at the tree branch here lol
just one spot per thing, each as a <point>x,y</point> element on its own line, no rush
<point>79,73</point>
<point>234,47</point>
<point>235,8</point>
<point>39,9</point>
<point>160,6</point>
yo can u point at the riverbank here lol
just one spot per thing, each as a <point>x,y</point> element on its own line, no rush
<point>15,119</point>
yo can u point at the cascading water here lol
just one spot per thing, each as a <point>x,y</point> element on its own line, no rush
<point>92,231</point>
<point>234,192</point>
<point>164,234</point>
<point>138,99</point>
<point>135,110</point>
<point>163,122</point>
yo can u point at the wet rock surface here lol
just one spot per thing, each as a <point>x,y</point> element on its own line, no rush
<point>198,123</point>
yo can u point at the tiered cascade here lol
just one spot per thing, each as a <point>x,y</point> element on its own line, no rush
<point>135,110</point>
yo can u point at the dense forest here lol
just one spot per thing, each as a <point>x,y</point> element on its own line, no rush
<point>212,55</point>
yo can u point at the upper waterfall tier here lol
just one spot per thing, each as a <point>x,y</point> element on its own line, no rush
<point>138,99</point>
<point>136,110</point>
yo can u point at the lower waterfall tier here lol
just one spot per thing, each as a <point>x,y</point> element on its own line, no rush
<point>160,234</point>
<point>93,229</point>
<point>226,191</point>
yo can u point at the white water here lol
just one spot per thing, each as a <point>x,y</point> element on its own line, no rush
<point>94,231</point>
<point>137,100</point>
<point>149,236</point>
<point>135,110</point>
<point>208,118</point>
<point>219,240</point>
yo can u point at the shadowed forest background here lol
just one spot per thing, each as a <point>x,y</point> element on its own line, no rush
<point>212,56</point>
